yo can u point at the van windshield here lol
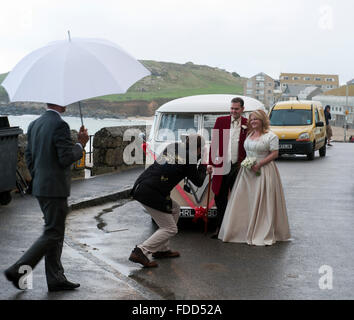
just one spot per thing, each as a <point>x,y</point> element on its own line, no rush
<point>172,126</point>
<point>290,117</point>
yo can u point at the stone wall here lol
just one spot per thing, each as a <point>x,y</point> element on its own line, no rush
<point>118,148</point>
<point>21,162</point>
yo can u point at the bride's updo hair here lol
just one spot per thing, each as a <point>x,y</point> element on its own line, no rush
<point>261,115</point>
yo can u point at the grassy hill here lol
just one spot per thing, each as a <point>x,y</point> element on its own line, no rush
<point>173,80</point>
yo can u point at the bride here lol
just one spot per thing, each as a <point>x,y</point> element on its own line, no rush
<point>256,211</point>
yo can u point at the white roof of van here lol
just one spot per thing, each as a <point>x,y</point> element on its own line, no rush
<point>208,103</point>
<point>296,102</point>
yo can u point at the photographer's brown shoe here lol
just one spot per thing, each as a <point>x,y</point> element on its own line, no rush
<point>165,254</point>
<point>138,256</point>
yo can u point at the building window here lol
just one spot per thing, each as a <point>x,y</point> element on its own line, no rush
<point>259,91</point>
<point>249,84</point>
<point>318,79</point>
<point>329,79</point>
<point>295,78</point>
<point>260,84</point>
<point>269,91</point>
<point>259,78</point>
<point>307,78</point>
<point>285,78</point>
<point>249,91</point>
<point>270,84</point>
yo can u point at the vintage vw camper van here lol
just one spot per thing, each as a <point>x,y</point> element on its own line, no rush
<point>182,116</point>
<point>300,126</point>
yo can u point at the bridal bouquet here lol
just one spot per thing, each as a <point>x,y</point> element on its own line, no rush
<point>248,163</point>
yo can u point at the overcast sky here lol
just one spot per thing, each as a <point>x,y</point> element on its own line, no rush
<point>245,36</point>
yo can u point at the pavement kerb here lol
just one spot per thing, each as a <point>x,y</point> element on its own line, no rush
<point>140,289</point>
<point>95,201</point>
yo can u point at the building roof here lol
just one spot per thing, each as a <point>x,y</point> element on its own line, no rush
<point>308,74</point>
<point>303,94</point>
<point>293,90</point>
<point>261,74</point>
<point>341,91</point>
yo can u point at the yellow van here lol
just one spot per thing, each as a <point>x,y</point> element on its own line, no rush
<point>300,126</point>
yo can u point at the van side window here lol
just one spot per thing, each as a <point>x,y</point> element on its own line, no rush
<point>317,118</point>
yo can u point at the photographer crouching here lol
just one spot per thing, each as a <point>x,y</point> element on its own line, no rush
<point>152,189</point>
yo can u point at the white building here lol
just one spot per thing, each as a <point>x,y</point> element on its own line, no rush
<point>340,103</point>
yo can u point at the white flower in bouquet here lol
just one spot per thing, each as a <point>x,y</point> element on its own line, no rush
<point>248,163</point>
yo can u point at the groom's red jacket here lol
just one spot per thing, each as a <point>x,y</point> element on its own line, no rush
<point>221,124</point>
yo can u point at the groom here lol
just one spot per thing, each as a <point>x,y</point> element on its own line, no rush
<point>226,154</point>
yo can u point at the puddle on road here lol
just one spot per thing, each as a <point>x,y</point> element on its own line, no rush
<point>101,224</point>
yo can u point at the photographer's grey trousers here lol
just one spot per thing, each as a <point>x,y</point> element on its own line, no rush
<point>167,223</point>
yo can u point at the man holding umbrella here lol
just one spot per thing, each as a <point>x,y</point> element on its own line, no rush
<point>62,73</point>
<point>50,153</point>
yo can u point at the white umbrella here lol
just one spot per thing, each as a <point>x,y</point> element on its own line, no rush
<point>64,72</point>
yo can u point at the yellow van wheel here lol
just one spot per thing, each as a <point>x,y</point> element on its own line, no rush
<point>323,151</point>
<point>311,155</point>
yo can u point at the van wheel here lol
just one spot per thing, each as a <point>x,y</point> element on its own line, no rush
<point>311,155</point>
<point>323,151</point>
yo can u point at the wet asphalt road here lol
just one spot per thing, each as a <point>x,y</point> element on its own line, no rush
<point>320,202</point>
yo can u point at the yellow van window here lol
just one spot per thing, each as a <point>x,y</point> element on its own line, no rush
<point>290,117</point>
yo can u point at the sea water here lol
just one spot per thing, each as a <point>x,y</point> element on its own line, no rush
<point>91,124</point>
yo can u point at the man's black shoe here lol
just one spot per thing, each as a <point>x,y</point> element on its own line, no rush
<point>14,277</point>
<point>215,234</point>
<point>66,285</point>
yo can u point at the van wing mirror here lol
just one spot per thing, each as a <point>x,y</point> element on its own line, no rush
<point>319,124</point>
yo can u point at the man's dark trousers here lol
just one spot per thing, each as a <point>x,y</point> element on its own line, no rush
<point>50,243</point>
<point>222,197</point>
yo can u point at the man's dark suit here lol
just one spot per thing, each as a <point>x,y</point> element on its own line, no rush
<point>49,155</point>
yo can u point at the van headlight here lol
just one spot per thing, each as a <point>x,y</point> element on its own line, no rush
<point>304,137</point>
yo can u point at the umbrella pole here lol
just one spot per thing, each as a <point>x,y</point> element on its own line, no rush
<point>82,122</point>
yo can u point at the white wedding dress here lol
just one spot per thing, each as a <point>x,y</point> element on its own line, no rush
<point>256,211</point>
